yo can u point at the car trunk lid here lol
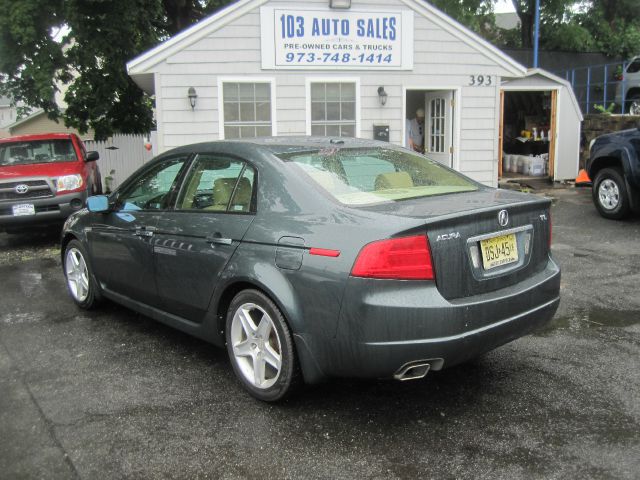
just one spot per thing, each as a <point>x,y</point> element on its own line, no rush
<point>482,241</point>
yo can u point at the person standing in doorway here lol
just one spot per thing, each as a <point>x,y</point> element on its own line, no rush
<point>415,132</point>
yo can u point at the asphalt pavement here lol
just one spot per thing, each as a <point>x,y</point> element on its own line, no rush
<point>112,394</point>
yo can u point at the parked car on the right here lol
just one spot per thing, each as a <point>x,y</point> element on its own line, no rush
<point>629,82</point>
<point>614,168</point>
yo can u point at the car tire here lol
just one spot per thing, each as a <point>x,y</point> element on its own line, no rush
<point>80,281</point>
<point>260,347</point>
<point>634,105</point>
<point>610,194</point>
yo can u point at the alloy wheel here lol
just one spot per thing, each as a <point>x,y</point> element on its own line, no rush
<point>77,274</point>
<point>609,194</point>
<point>257,349</point>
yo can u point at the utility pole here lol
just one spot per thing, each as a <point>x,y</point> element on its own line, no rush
<point>536,34</point>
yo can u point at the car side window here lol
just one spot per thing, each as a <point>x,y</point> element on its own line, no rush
<point>213,181</point>
<point>152,190</point>
<point>634,67</point>
<point>243,195</point>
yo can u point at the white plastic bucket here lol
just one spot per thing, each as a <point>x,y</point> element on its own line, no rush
<point>535,167</point>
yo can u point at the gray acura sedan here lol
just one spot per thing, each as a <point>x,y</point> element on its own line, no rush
<point>312,258</point>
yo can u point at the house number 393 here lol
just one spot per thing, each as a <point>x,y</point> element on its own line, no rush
<point>480,80</point>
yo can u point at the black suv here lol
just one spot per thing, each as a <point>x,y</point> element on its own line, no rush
<point>614,168</point>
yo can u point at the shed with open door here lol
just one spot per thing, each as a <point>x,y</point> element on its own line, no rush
<point>539,128</point>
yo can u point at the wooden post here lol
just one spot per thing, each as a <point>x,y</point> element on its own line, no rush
<point>553,127</point>
<point>501,135</point>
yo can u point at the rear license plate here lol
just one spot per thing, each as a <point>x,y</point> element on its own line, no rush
<point>498,251</point>
<point>23,209</point>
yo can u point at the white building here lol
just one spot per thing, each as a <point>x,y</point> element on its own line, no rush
<point>262,67</point>
<point>8,115</point>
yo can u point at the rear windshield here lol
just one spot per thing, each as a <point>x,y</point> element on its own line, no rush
<point>37,151</point>
<point>365,176</point>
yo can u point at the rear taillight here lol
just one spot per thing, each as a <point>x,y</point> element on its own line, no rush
<point>406,258</point>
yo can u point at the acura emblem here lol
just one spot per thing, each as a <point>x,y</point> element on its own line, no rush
<point>22,188</point>
<point>503,218</point>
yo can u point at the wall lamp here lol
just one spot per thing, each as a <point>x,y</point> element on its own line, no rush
<point>382,96</point>
<point>342,4</point>
<point>193,97</point>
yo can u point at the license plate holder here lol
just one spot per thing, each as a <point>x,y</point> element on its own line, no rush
<point>24,209</point>
<point>499,250</point>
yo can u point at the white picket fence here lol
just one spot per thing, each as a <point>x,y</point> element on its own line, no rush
<point>120,156</point>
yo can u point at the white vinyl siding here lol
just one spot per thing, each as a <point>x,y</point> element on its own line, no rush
<point>233,51</point>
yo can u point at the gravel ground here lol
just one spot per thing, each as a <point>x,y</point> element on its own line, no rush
<point>15,249</point>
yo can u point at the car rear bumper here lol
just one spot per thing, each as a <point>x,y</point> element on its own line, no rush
<point>47,210</point>
<point>386,325</point>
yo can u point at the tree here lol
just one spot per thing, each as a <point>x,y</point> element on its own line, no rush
<point>614,26</point>
<point>611,27</point>
<point>552,14</point>
<point>607,26</point>
<point>477,15</point>
<point>89,61</point>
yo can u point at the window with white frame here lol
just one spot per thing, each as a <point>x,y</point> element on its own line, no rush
<point>247,109</point>
<point>333,109</point>
<point>437,125</point>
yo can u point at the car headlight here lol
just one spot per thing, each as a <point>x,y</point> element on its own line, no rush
<point>69,182</point>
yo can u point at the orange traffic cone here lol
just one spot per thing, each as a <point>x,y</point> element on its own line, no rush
<point>583,178</point>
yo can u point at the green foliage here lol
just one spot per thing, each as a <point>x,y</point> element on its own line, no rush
<point>567,37</point>
<point>88,65</point>
<point>608,26</point>
<point>615,30</point>
<point>606,111</point>
<point>31,61</point>
<point>477,15</point>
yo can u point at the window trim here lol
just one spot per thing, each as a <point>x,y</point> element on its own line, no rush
<point>310,80</point>
<point>272,84</point>
<point>115,198</point>
<point>253,206</point>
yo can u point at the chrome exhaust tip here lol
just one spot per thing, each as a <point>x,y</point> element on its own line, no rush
<point>412,371</point>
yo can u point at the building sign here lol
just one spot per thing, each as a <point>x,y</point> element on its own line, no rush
<point>336,39</point>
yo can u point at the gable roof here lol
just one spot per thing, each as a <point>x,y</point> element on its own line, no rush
<point>140,68</point>
<point>467,36</point>
<point>532,72</point>
<point>35,114</point>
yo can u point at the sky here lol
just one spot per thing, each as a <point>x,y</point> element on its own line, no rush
<point>503,6</point>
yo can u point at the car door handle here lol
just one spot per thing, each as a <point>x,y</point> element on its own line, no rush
<point>217,238</point>
<point>144,231</point>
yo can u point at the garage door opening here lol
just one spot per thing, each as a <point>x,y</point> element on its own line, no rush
<point>527,138</point>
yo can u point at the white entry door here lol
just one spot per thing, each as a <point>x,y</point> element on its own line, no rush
<point>438,135</point>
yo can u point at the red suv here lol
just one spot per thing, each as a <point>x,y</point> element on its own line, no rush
<point>44,178</point>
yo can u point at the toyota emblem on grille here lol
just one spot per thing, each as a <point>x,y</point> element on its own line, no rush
<point>22,188</point>
<point>503,218</point>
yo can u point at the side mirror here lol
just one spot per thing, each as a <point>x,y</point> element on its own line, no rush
<point>98,204</point>
<point>92,156</point>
